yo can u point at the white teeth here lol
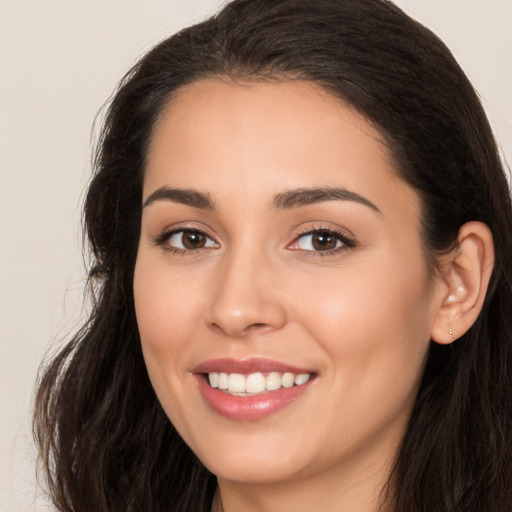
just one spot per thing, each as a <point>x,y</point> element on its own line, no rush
<point>236,383</point>
<point>213,377</point>
<point>223,381</point>
<point>302,378</point>
<point>273,381</point>
<point>288,380</point>
<point>255,383</point>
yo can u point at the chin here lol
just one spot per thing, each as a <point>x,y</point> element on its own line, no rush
<point>253,460</point>
<point>249,471</point>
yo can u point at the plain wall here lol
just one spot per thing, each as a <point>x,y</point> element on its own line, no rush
<point>59,61</point>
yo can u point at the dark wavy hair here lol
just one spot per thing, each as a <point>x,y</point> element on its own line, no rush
<point>105,442</point>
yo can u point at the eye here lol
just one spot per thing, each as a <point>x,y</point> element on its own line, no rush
<point>186,240</point>
<point>322,240</point>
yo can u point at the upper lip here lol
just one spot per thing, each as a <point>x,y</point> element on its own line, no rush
<point>247,366</point>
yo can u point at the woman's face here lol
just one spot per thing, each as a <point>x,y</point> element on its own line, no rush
<point>280,257</point>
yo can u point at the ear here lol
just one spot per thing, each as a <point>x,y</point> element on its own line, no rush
<point>465,275</point>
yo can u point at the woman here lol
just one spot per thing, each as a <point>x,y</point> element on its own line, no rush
<point>300,230</point>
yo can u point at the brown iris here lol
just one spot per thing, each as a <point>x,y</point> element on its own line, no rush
<point>193,240</point>
<point>324,241</point>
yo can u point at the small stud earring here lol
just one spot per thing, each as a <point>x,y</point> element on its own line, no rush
<point>450,331</point>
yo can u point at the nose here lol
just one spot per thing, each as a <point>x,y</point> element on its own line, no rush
<point>246,297</point>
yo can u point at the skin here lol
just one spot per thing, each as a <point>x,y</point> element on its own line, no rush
<point>360,317</point>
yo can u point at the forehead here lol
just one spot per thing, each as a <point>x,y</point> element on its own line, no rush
<point>224,137</point>
<point>288,115</point>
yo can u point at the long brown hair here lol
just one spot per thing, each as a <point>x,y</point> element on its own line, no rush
<point>106,444</point>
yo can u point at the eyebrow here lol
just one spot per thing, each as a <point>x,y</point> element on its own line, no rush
<point>283,201</point>
<point>183,196</point>
<point>308,196</point>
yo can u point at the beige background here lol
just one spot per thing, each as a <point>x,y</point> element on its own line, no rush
<point>59,61</point>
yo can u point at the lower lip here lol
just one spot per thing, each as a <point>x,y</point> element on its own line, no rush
<point>250,408</point>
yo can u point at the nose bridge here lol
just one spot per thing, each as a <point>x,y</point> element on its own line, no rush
<point>245,298</point>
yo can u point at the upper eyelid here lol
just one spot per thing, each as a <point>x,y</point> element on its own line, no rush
<point>322,228</point>
<point>342,233</point>
<point>306,231</point>
<point>188,230</point>
<point>348,239</point>
<point>165,234</point>
<point>176,228</point>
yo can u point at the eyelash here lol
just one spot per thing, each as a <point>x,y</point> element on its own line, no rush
<point>346,242</point>
<point>163,239</point>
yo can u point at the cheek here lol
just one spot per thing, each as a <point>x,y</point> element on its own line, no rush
<point>166,305</point>
<point>373,328</point>
<point>167,312</point>
<point>371,319</point>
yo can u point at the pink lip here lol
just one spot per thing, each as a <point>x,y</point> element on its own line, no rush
<point>248,408</point>
<point>247,366</point>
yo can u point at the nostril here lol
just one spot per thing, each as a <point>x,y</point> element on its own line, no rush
<point>241,331</point>
<point>258,326</point>
<point>252,313</point>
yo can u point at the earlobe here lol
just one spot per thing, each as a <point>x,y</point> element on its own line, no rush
<point>465,273</point>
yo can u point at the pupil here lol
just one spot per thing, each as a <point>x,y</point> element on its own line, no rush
<point>324,241</point>
<point>193,239</point>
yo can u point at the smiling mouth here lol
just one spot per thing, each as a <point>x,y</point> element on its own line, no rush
<point>237,384</point>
